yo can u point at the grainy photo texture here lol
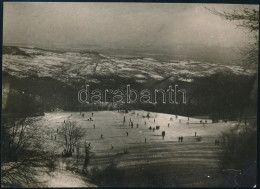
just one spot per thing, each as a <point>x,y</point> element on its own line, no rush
<point>129,95</point>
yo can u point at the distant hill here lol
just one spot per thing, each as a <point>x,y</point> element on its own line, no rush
<point>88,65</point>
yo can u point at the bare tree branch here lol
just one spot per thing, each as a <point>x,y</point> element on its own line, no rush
<point>247,19</point>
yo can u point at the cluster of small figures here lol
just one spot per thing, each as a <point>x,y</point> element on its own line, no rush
<point>90,119</point>
<point>180,139</point>
<point>130,123</point>
<point>203,122</point>
<point>150,128</point>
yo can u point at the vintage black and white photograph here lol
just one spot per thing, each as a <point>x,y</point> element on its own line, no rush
<point>120,94</point>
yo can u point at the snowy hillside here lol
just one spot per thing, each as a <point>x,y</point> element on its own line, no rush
<point>75,66</point>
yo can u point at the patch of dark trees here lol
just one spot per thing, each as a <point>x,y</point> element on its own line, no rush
<point>221,95</point>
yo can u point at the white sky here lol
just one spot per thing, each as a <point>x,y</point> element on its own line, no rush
<point>125,25</point>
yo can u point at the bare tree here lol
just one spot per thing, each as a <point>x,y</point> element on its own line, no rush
<point>71,133</point>
<point>21,143</point>
<point>248,20</point>
<point>19,136</point>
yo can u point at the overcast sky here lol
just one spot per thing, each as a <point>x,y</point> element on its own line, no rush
<point>126,25</point>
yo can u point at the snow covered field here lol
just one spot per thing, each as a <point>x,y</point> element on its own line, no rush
<point>110,125</point>
<point>196,159</point>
